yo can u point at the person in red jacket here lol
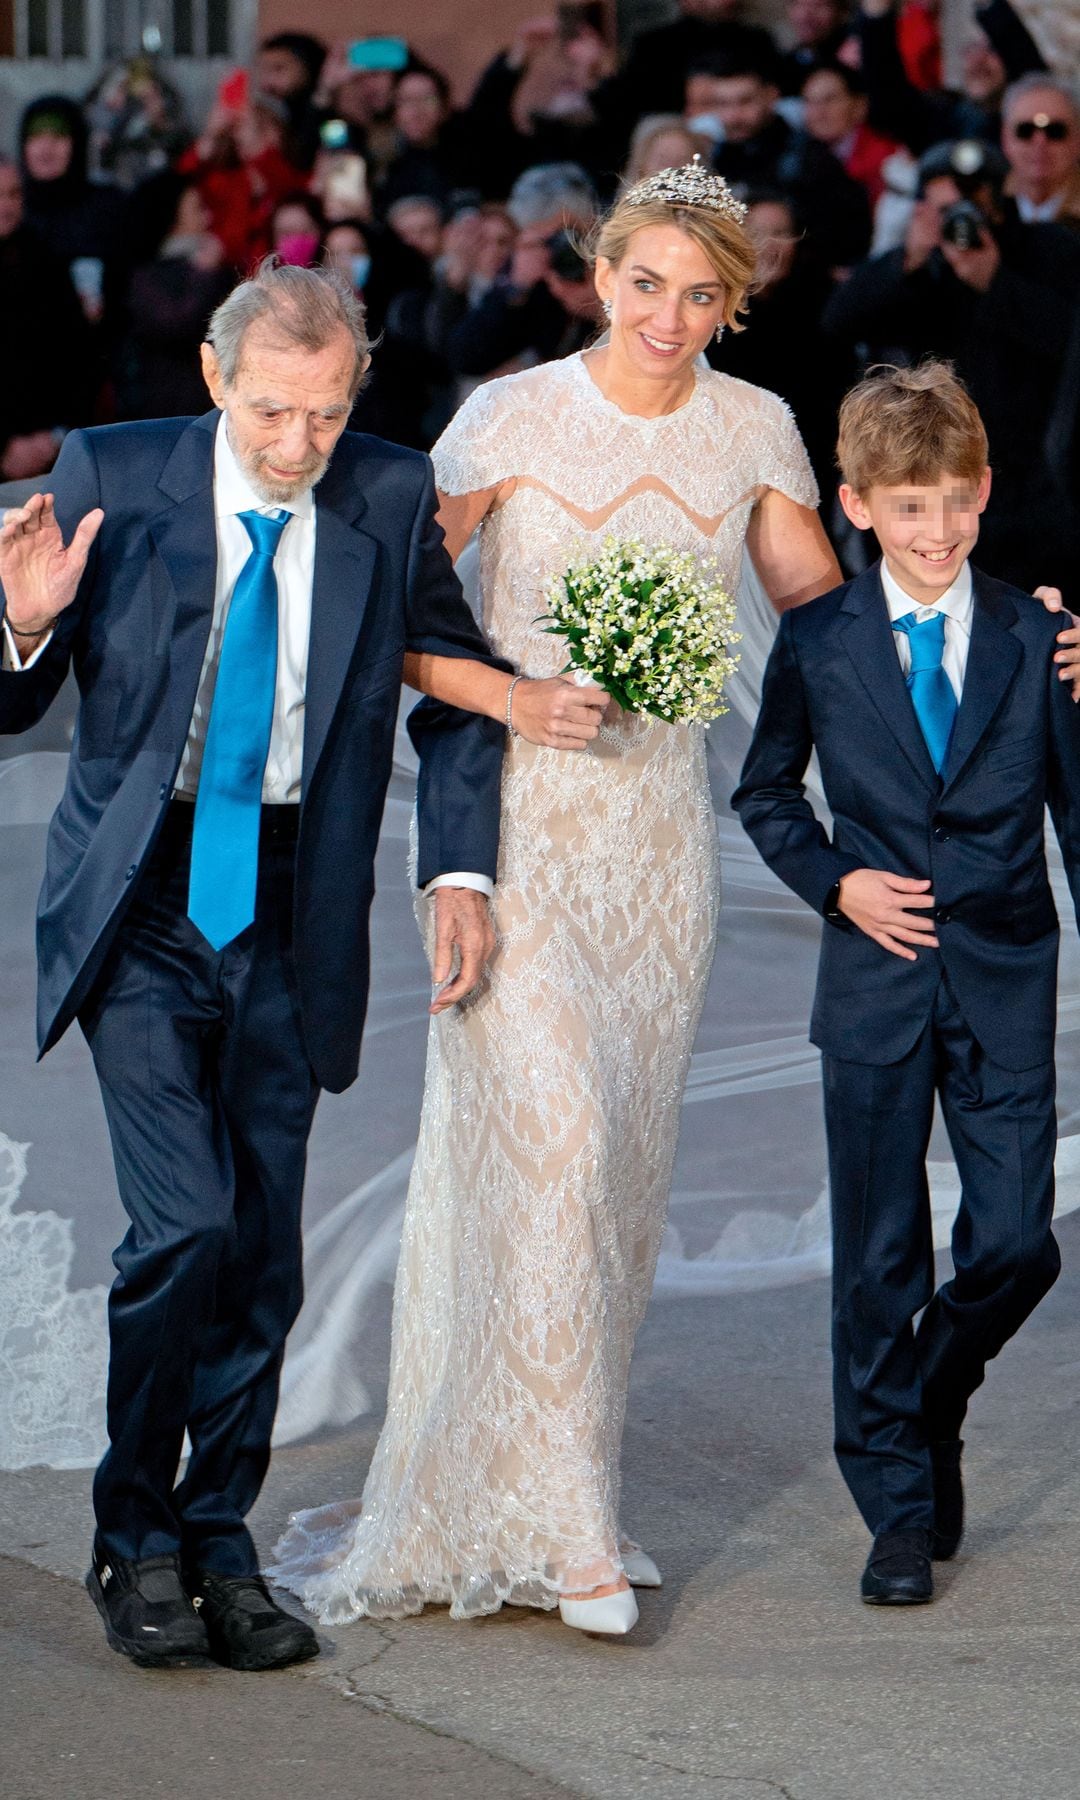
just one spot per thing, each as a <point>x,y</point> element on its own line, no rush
<point>836,115</point>
<point>244,166</point>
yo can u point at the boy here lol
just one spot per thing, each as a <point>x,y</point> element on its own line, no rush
<point>929,693</point>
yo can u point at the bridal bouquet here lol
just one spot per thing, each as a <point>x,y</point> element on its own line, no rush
<point>652,627</point>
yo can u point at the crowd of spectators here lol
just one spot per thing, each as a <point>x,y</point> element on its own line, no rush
<point>895,217</point>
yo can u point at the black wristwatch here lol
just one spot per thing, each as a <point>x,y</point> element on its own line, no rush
<point>831,908</point>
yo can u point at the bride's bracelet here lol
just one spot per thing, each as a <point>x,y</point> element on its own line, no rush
<point>510,705</point>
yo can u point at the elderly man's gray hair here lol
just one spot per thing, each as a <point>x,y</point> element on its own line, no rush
<point>307,307</point>
<point>1039,81</point>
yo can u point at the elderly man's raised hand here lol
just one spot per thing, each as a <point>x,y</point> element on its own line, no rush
<point>39,574</point>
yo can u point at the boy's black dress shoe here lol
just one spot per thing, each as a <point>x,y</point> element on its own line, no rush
<point>898,1571</point>
<point>245,1627</point>
<point>948,1498</point>
<point>147,1614</point>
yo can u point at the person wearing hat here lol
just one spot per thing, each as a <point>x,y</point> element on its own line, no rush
<point>973,283</point>
<point>82,222</point>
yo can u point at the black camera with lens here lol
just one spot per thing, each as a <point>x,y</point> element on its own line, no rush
<point>566,259</point>
<point>976,169</point>
<point>965,225</point>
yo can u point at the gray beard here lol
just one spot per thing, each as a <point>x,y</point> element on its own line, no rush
<point>275,493</point>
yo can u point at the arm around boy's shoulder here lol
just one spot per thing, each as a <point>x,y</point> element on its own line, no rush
<point>1063,767</point>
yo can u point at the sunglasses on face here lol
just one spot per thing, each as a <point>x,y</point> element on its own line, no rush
<point>1054,130</point>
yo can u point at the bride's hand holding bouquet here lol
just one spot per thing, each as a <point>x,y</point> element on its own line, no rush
<point>653,628</point>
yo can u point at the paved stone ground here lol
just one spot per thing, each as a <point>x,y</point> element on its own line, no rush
<point>755,1673</point>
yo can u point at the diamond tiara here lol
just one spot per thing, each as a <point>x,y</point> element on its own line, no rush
<point>692,185</point>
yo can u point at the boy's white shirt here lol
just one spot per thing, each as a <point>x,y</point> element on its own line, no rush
<point>958,605</point>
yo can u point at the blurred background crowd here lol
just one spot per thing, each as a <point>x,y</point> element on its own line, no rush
<point>895,216</point>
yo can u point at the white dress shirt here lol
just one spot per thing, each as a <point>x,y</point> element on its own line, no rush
<point>957,603</point>
<point>10,660</point>
<point>294,566</point>
<point>1040,212</point>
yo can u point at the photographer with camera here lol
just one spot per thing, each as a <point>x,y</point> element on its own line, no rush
<point>997,297</point>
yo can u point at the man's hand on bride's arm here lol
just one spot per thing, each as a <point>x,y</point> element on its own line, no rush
<point>1067,656</point>
<point>462,923</point>
<point>553,712</point>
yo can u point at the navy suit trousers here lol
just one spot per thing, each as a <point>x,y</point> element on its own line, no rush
<point>897,1389</point>
<point>209,1096</point>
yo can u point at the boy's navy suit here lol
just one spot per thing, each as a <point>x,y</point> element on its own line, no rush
<point>973,1020</point>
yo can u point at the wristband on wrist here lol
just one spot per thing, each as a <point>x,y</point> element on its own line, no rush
<point>15,632</point>
<point>510,705</point>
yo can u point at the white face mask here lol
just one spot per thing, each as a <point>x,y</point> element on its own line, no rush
<point>709,126</point>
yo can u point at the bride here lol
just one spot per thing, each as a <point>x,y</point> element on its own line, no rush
<point>552,1098</point>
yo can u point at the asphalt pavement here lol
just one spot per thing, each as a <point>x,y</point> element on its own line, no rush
<point>755,1673</point>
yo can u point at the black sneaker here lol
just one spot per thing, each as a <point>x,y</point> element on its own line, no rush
<point>147,1614</point>
<point>246,1628</point>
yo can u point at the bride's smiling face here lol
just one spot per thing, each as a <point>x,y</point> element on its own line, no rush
<point>666,300</point>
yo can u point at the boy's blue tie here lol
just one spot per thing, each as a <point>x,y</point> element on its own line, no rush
<point>225,835</point>
<point>930,688</point>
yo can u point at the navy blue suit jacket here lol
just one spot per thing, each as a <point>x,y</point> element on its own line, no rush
<point>136,636</point>
<point>834,684</point>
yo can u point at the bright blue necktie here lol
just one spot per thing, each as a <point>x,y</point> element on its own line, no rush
<point>931,690</point>
<point>225,835</point>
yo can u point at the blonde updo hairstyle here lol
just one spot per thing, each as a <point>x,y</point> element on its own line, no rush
<point>724,241</point>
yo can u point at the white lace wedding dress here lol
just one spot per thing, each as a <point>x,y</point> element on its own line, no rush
<point>552,1098</point>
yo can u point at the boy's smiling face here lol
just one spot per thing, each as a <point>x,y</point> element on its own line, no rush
<point>925,533</point>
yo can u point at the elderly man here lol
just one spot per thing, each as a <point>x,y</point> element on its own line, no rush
<point>1040,135</point>
<point>236,596</point>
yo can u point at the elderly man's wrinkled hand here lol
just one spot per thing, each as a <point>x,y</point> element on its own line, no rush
<point>462,923</point>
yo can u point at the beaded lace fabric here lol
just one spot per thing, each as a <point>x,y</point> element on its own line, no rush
<point>552,1098</point>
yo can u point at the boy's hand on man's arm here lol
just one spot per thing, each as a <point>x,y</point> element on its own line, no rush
<point>878,903</point>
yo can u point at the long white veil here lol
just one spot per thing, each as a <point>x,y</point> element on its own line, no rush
<point>748,1211</point>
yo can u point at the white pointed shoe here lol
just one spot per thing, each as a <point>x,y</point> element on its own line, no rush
<point>640,1570</point>
<point>612,1615</point>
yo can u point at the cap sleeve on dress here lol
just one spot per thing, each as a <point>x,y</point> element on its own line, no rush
<point>475,450</point>
<point>785,464</point>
